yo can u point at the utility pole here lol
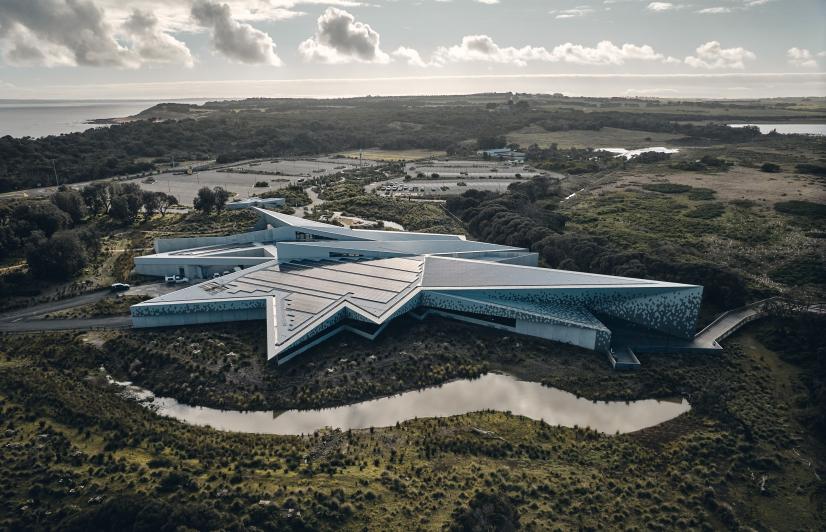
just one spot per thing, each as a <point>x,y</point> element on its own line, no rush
<point>54,169</point>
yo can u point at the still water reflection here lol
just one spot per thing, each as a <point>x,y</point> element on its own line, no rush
<point>630,154</point>
<point>489,392</point>
<point>788,129</point>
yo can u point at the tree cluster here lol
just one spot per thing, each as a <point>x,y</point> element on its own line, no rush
<point>209,199</point>
<point>255,128</point>
<point>526,216</point>
<point>125,201</point>
<point>50,234</point>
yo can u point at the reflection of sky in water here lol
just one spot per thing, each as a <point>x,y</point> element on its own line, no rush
<point>489,392</point>
<point>785,129</point>
<point>628,154</point>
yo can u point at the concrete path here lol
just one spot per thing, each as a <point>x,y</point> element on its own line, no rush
<point>315,201</point>
<point>726,324</point>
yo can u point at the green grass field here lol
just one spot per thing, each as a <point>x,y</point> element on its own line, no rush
<point>607,137</point>
<point>395,155</point>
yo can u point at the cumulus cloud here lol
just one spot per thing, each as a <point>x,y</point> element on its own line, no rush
<point>175,15</point>
<point>714,10</point>
<point>801,57</point>
<point>606,53</point>
<point>153,45</point>
<point>236,40</point>
<point>339,38</point>
<point>712,55</point>
<point>482,48</point>
<point>410,55</point>
<point>59,32</point>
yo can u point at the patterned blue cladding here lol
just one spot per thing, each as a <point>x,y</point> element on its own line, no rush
<point>671,310</point>
<point>603,342</point>
<point>546,313</point>
<point>218,306</point>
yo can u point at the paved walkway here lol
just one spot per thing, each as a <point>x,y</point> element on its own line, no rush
<point>315,201</point>
<point>726,324</point>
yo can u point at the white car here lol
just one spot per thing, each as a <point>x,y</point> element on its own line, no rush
<point>176,279</point>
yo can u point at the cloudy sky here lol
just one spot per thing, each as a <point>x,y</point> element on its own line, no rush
<point>239,48</point>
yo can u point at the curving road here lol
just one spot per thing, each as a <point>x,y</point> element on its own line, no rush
<point>116,322</point>
<point>31,318</point>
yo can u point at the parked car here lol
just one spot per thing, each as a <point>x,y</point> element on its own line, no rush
<point>176,279</point>
<point>119,287</point>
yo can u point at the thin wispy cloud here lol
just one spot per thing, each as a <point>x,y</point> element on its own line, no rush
<point>714,10</point>
<point>576,12</point>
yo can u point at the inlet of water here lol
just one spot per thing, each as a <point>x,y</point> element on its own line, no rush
<point>492,391</point>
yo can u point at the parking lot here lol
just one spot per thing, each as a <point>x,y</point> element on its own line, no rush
<point>438,187</point>
<point>242,177</point>
<point>470,169</point>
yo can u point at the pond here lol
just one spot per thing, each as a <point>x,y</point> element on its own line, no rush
<point>628,154</point>
<point>788,129</point>
<point>491,391</point>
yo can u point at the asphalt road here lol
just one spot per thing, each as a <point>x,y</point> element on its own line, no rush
<point>53,306</point>
<point>117,322</point>
<point>30,318</point>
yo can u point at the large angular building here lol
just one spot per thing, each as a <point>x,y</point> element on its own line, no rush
<point>311,280</point>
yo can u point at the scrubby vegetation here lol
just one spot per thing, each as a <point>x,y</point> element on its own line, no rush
<point>294,195</point>
<point>349,197</point>
<point>77,241</point>
<point>78,456</point>
<point>528,215</point>
<point>230,131</point>
<point>667,188</point>
<point>805,269</point>
<point>802,208</point>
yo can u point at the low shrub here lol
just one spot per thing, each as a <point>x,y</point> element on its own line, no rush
<point>701,194</point>
<point>807,269</point>
<point>707,211</point>
<point>667,188</point>
<point>801,208</point>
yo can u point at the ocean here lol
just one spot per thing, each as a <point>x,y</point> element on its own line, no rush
<point>39,118</point>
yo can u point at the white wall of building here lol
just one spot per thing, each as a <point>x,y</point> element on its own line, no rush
<point>566,334</point>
